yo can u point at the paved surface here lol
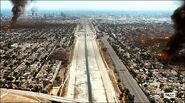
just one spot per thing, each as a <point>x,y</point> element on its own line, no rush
<point>41,95</point>
<point>102,89</point>
<point>126,77</point>
<point>77,87</point>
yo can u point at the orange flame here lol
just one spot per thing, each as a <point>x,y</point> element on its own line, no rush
<point>143,41</point>
<point>7,26</point>
<point>165,38</point>
<point>152,37</point>
<point>164,55</point>
<point>155,46</point>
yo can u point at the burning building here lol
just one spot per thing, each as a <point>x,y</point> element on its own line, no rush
<point>177,40</point>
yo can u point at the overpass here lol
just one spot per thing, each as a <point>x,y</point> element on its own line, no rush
<point>40,95</point>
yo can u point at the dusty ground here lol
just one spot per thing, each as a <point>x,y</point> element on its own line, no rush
<point>54,91</point>
<point>1,93</point>
<point>59,83</point>
<point>110,67</point>
<point>12,98</point>
<point>65,82</point>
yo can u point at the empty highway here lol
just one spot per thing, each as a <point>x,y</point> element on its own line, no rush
<point>88,78</point>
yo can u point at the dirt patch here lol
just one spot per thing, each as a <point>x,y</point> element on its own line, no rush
<point>113,74</point>
<point>54,91</point>
<point>12,98</point>
<point>61,78</point>
<point>65,82</point>
<point>1,93</point>
<point>76,93</point>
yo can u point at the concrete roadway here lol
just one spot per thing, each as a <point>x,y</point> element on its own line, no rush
<point>126,77</point>
<point>102,89</point>
<point>77,87</point>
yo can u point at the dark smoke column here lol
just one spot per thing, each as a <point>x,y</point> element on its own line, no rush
<point>18,9</point>
<point>178,38</point>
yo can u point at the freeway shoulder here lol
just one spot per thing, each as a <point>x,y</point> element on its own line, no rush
<point>124,74</point>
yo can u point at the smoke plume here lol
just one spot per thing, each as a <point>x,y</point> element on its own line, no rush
<point>18,9</point>
<point>178,38</point>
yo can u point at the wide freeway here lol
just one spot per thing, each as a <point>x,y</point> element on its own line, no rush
<point>88,78</point>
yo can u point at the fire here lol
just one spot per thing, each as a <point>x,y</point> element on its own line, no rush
<point>164,55</point>
<point>152,37</point>
<point>155,46</point>
<point>143,41</point>
<point>7,26</point>
<point>165,38</point>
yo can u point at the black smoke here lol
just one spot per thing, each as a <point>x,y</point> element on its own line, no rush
<point>18,9</point>
<point>178,38</point>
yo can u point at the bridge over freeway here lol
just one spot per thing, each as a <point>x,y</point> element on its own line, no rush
<point>40,95</point>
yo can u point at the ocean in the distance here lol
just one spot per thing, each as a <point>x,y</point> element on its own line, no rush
<point>83,12</point>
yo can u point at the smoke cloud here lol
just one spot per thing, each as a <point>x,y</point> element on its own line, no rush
<point>18,9</point>
<point>178,38</point>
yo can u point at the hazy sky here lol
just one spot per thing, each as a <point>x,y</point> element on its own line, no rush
<point>98,5</point>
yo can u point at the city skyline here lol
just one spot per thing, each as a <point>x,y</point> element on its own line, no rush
<point>99,5</point>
